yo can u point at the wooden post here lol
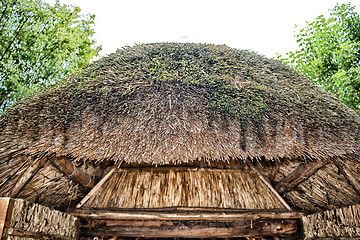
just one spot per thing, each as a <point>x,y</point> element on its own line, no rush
<point>6,206</point>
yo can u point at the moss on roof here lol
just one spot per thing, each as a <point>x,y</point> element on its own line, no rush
<point>176,102</point>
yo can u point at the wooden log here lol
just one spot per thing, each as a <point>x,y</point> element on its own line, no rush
<point>300,174</point>
<point>27,176</point>
<point>6,206</point>
<point>190,229</point>
<point>65,166</point>
<point>189,216</point>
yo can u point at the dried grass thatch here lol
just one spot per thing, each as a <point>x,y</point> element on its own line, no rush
<point>184,187</point>
<point>27,220</point>
<point>342,222</point>
<point>174,103</point>
<point>326,189</point>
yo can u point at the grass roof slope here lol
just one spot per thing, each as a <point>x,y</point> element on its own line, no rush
<point>172,103</point>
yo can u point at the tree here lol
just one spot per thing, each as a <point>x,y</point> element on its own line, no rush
<point>329,54</point>
<point>40,44</point>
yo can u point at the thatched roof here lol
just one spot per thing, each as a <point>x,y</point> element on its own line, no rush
<point>174,103</point>
<point>168,125</point>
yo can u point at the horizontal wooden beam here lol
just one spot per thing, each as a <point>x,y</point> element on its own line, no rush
<point>67,167</point>
<point>299,175</point>
<point>189,216</point>
<point>190,229</point>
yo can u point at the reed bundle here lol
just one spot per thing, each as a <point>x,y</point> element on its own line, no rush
<point>183,187</point>
<point>342,222</point>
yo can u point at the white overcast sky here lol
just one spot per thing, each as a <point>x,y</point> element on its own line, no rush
<point>265,26</point>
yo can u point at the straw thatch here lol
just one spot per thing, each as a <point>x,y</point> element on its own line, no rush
<point>342,222</point>
<point>27,220</point>
<point>204,188</point>
<point>170,125</point>
<point>174,103</point>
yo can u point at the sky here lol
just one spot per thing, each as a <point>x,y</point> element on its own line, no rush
<point>264,26</point>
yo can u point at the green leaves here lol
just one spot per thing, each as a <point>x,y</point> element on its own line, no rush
<point>329,54</point>
<point>40,44</point>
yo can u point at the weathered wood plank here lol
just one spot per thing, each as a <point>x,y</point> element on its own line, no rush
<point>193,229</point>
<point>190,216</point>
<point>300,174</point>
<point>27,176</point>
<point>65,166</point>
<point>6,205</point>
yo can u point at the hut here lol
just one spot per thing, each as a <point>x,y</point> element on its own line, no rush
<point>173,140</point>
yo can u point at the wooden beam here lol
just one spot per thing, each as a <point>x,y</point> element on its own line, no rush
<point>190,229</point>
<point>6,207</point>
<point>27,176</point>
<point>300,174</point>
<point>96,187</point>
<point>270,187</point>
<point>188,215</point>
<point>67,167</point>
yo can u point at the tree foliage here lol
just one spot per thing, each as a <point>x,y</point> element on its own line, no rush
<point>329,53</point>
<point>40,44</point>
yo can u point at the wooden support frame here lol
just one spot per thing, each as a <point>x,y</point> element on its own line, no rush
<point>67,167</point>
<point>192,229</point>
<point>299,175</point>
<point>185,214</point>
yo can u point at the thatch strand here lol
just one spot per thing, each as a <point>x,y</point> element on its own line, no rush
<point>342,222</point>
<point>34,218</point>
<point>174,103</point>
<point>186,187</point>
<point>327,189</point>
